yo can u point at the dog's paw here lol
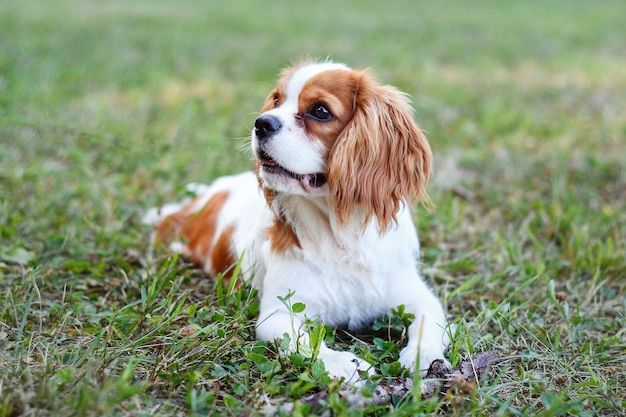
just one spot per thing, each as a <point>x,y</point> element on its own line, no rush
<point>408,358</point>
<point>345,365</point>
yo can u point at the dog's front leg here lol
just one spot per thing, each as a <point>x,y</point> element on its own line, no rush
<point>339,365</point>
<point>428,334</point>
<point>427,342</point>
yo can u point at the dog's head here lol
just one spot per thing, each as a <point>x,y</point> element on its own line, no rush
<point>328,130</point>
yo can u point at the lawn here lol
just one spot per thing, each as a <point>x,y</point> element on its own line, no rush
<point>109,108</point>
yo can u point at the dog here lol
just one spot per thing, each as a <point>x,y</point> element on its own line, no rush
<point>325,218</point>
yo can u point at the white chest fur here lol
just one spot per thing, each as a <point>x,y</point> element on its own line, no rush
<point>343,281</point>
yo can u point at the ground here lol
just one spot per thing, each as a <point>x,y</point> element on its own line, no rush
<point>109,108</point>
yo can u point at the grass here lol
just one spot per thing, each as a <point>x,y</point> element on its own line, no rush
<point>107,109</point>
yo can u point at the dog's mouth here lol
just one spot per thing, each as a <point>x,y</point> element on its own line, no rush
<point>308,181</point>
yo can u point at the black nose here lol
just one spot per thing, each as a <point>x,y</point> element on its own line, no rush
<point>266,126</point>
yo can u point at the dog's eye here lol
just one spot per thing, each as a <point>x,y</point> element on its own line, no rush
<point>321,112</point>
<point>275,101</point>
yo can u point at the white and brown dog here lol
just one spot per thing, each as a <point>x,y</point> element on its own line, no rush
<point>326,215</point>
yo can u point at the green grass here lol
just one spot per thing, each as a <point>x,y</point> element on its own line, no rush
<point>108,108</point>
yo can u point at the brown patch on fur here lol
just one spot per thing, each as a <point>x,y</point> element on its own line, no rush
<point>198,229</point>
<point>223,257</point>
<point>282,237</point>
<point>335,89</point>
<point>169,227</point>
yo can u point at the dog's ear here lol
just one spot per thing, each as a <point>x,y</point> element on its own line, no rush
<point>380,159</point>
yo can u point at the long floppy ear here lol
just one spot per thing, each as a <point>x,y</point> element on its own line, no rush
<point>381,158</point>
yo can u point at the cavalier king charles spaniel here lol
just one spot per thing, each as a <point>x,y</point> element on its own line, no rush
<point>326,216</point>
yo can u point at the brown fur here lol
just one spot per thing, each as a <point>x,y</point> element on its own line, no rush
<point>222,256</point>
<point>381,157</point>
<point>282,237</point>
<point>198,229</point>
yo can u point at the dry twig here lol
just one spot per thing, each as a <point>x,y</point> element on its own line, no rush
<point>438,380</point>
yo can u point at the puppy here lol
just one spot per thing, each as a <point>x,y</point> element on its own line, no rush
<point>325,217</point>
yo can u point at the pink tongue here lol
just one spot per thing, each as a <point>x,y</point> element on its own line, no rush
<point>312,181</point>
<point>307,181</point>
<point>269,162</point>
